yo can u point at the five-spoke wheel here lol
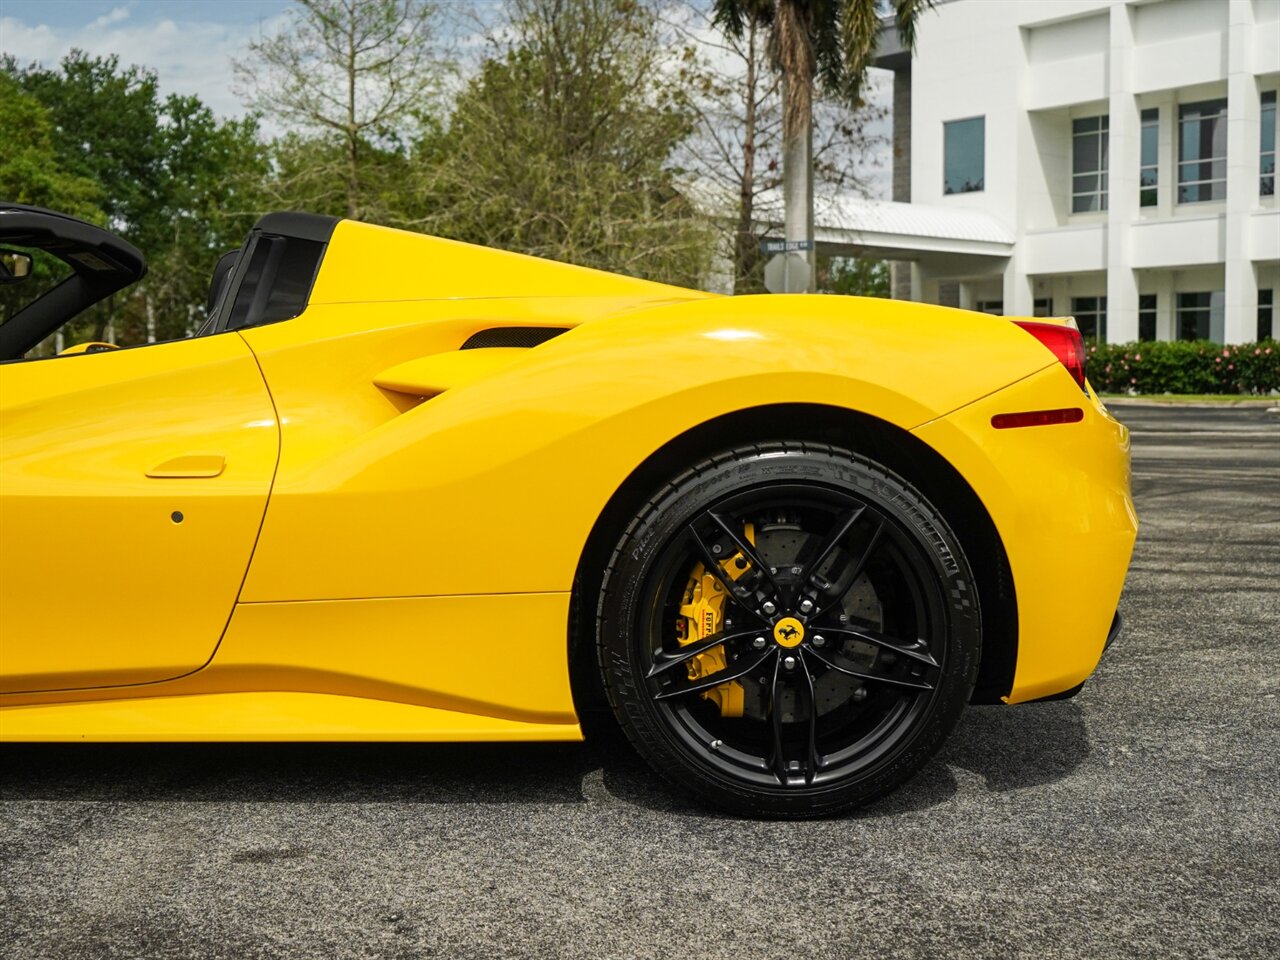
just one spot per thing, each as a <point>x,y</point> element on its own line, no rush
<point>788,631</point>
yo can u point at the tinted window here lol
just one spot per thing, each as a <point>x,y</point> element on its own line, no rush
<point>1202,151</point>
<point>1091,317</point>
<point>1147,316</point>
<point>1149,173</point>
<point>1089,143</point>
<point>277,280</point>
<point>1267,156</point>
<point>964,155</point>
<point>1198,314</point>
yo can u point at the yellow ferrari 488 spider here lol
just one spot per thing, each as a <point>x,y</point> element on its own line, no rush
<point>401,488</point>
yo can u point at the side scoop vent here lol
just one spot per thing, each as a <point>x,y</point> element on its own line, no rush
<point>524,337</point>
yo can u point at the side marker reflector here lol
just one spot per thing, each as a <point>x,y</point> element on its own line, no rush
<point>1037,418</point>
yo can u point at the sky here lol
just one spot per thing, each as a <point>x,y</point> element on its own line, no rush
<point>190,44</point>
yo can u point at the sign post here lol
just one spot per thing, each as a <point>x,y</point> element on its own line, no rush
<point>788,269</point>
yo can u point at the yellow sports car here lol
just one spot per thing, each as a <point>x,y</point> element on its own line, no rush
<point>401,488</point>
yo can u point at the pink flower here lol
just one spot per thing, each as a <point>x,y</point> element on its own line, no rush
<point>1256,351</point>
<point>1133,379</point>
<point>1137,356</point>
<point>1217,359</point>
<point>1226,353</point>
<point>1231,366</point>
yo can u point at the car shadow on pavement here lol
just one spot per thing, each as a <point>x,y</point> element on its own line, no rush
<point>1007,749</point>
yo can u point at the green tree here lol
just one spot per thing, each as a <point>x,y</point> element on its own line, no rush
<point>854,277</point>
<point>342,77</point>
<point>812,41</point>
<point>562,147</point>
<point>30,169</point>
<point>106,128</point>
<point>209,195</point>
<point>308,173</point>
<point>174,180</point>
<point>31,172</point>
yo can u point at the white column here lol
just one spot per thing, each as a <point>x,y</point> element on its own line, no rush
<point>1060,291</point>
<point>1166,156</point>
<point>1240,320</point>
<point>1163,281</point>
<point>1122,190</point>
<point>1016,290</point>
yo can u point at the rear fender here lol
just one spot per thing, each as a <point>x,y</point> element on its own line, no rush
<point>493,487</point>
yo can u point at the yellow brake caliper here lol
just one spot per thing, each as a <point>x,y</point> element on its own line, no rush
<point>701,615</point>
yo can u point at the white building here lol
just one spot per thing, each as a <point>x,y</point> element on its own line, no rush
<point>1110,159</point>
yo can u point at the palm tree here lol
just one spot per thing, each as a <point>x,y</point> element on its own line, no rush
<point>831,41</point>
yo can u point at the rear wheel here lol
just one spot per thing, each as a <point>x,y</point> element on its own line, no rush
<point>788,630</point>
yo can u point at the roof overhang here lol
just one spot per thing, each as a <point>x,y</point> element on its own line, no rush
<point>891,230</point>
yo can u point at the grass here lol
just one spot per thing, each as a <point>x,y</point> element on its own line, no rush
<point>1175,398</point>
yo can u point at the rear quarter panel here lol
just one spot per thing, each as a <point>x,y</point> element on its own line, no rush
<point>494,487</point>
<point>1060,499</point>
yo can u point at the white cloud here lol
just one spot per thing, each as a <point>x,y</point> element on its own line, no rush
<point>191,58</point>
<point>115,16</point>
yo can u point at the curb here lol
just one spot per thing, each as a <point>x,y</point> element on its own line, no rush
<point>1263,403</point>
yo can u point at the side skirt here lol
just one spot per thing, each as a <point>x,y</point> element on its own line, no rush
<point>262,717</point>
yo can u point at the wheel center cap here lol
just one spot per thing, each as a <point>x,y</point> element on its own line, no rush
<point>788,632</point>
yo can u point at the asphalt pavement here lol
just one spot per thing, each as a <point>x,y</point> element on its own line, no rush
<point>1141,819</point>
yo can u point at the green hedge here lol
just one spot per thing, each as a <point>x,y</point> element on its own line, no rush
<point>1182,366</point>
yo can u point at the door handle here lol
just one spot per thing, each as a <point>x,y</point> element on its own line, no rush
<point>191,465</point>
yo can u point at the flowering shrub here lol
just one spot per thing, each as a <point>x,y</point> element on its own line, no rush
<point>1182,366</point>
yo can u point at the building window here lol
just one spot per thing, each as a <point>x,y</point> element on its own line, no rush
<point>993,307</point>
<point>1195,314</point>
<point>1089,164</point>
<point>1149,172</point>
<point>1202,151</point>
<point>963,155</point>
<point>1267,183</point>
<point>1147,316</point>
<point>1042,307</point>
<point>1266,314</point>
<point>1091,317</point>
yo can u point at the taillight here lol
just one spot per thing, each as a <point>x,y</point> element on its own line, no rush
<point>1063,342</point>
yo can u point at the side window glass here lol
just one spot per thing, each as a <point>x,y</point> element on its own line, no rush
<point>276,281</point>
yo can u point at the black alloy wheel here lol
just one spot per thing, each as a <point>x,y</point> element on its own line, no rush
<point>831,642</point>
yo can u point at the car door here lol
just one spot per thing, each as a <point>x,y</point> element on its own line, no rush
<point>132,486</point>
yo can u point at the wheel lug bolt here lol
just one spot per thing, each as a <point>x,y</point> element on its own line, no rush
<point>806,605</point>
<point>758,643</point>
<point>819,640</point>
<point>789,663</point>
<point>768,607</point>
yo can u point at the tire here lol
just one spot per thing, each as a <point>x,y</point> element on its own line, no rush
<point>889,642</point>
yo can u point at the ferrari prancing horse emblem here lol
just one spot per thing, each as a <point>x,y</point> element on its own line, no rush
<point>788,632</point>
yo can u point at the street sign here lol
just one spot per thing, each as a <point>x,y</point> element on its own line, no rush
<point>784,246</point>
<point>787,273</point>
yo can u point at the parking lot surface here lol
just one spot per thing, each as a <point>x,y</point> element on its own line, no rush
<point>1141,819</point>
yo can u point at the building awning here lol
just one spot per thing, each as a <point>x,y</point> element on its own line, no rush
<point>907,231</point>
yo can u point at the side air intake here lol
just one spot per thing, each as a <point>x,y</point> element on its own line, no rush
<point>511,337</point>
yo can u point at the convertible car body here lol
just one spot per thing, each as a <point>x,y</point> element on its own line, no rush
<point>403,488</point>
